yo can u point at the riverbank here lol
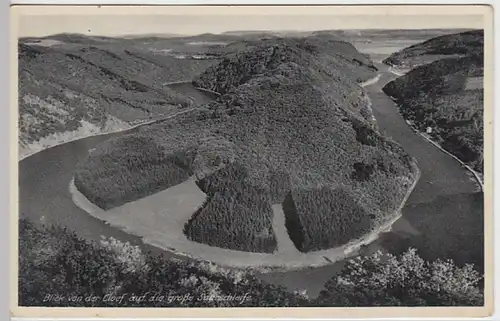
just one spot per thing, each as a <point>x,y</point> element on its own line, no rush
<point>477,176</point>
<point>434,202</point>
<point>164,214</point>
<point>87,129</point>
<point>371,81</point>
<point>398,72</point>
<point>114,125</point>
<point>320,258</point>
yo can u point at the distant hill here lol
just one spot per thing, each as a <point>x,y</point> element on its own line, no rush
<point>457,44</point>
<point>340,54</point>
<point>76,38</point>
<point>446,95</point>
<point>268,33</point>
<point>250,32</point>
<point>153,35</point>
<point>291,127</point>
<point>386,33</point>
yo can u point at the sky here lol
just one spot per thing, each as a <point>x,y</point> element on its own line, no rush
<point>116,23</point>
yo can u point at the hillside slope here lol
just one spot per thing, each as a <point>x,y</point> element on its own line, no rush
<point>451,45</point>
<point>445,98</point>
<point>75,89</point>
<point>290,127</point>
<point>333,54</point>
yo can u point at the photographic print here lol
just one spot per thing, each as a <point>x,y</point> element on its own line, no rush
<point>243,158</point>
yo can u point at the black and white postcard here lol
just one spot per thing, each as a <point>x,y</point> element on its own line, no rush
<point>236,159</point>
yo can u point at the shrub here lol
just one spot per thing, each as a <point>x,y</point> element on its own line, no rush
<point>366,135</point>
<point>129,255</point>
<point>362,171</point>
<point>405,280</point>
<point>323,218</point>
<point>54,261</point>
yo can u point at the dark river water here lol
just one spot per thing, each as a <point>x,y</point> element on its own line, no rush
<point>442,218</point>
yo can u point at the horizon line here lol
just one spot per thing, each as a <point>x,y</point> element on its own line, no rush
<point>228,32</point>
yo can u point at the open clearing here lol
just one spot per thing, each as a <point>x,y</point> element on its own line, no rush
<point>285,244</point>
<point>159,217</point>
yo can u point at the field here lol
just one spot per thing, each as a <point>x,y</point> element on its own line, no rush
<point>260,124</point>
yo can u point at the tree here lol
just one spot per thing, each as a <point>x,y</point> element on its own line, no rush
<point>407,280</point>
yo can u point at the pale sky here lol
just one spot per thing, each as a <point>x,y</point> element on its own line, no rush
<point>117,23</point>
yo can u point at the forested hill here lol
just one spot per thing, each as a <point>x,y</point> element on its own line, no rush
<point>84,86</point>
<point>453,45</point>
<point>292,125</point>
<point>445,97</point>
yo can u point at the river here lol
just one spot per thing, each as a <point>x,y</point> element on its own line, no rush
<point>441,217</point>
<point>44,177</point>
